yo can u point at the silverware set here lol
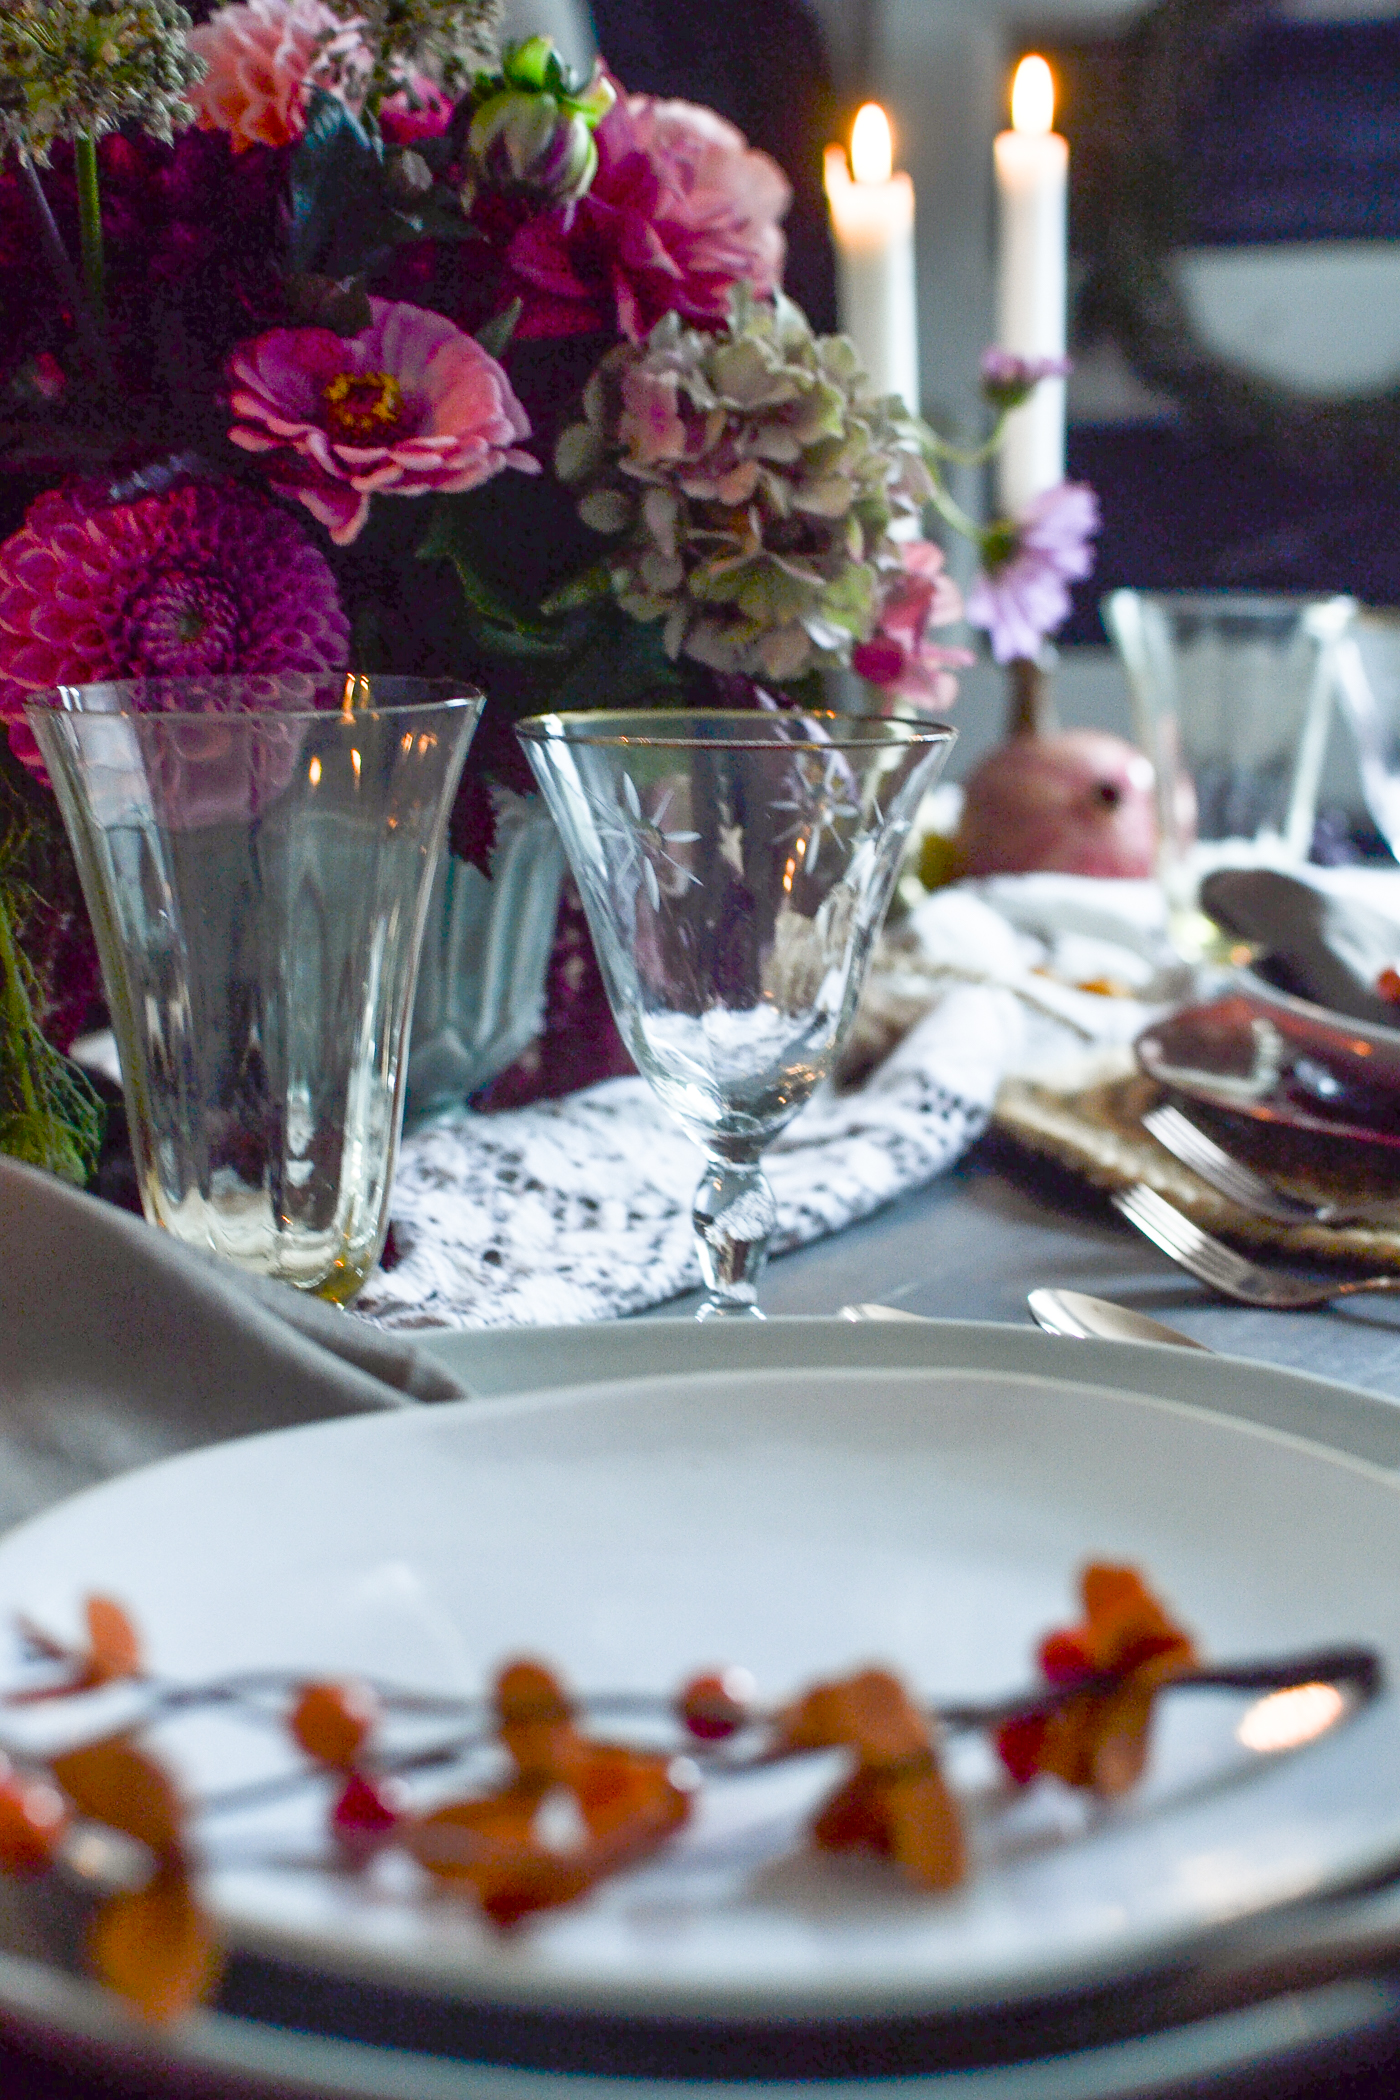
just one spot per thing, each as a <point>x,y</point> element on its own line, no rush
<point>1221,1268</point>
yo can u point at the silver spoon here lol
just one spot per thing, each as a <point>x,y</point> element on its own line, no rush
<point>1071,1313</point>
<point>1083,1318</point>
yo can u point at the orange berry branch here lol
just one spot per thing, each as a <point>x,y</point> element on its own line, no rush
<point>562,1806</point>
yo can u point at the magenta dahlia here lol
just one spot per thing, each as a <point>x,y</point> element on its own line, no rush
<point>408,406</point>
<point>681,210</point>
<point>205,577</point>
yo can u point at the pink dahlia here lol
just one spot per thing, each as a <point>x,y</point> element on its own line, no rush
<point>408,406</point>
<point>899,655</point>
<point>1021,594</point>
<point>681,210</point>
<point>201,579</point>
<point>264,57</point>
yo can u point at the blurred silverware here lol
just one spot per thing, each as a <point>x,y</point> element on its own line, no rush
<point>868,1310</point>
<point>1229,1273</point>
<point>1187,1142</point>
<point>1084,1319</point>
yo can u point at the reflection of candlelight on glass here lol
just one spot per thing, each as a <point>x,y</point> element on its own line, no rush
<point>872,220</point>
<point>1285,1719</point>
<point>1032,172</point>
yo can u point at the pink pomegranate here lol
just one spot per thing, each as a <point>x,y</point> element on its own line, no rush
<point>1080,803</point>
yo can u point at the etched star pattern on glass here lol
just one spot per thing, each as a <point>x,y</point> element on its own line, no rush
<point>735,868</point>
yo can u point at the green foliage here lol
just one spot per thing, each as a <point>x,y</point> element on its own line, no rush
<point>49,1115</point>
<point>577,650</point>
<point>346,213</point>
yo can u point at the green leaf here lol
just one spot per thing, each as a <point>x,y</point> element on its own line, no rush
<point>622,665</point>
<point>495,336</point>
<point>342,217</point>
<point>591,587</point>
<point>450,538</point>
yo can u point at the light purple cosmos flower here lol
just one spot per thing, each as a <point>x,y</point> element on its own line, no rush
<point>1007,379</point>
<point>1021,593</point>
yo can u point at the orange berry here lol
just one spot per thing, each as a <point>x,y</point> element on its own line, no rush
<point>332,1722</point>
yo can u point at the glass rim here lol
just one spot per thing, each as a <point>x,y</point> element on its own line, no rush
<point>581,727</point>
<point>439,694</point>
<point>1225,600</point>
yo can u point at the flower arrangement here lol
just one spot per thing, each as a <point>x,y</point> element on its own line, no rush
<point>345,339</point>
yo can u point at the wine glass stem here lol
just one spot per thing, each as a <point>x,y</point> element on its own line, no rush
<point>734,1216</point>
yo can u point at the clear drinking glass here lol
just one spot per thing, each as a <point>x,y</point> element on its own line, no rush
<point>1232,695</point>
<point>481,979</point>
<point>1368,680</point>
<point>256,854</point>
<point>735,868</point>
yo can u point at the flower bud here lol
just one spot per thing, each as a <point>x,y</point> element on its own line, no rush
<point>534,122</point>
<point>523,141</point>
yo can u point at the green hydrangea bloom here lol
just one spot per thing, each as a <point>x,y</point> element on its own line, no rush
<point>758,488</point>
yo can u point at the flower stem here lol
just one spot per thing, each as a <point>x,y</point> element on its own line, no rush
<point>61,263</point>
<point>952,513</point>
<point>19,1015</point>
<point>959,455</point>
<point>90,223</point>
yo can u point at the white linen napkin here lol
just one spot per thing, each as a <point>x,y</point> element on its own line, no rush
<point>579,1209</point>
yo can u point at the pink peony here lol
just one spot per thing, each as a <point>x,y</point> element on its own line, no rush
<point>899,656</point>
<point>203,578</point>
<point>409,406</point>
<point>681,210</point>
<point>264,57</point>
<point>1021,594</point>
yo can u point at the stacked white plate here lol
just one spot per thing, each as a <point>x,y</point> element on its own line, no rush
<point>799,1499</point>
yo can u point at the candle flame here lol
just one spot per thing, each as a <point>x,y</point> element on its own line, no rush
<point>872,149</point>
<point>1033,97</point>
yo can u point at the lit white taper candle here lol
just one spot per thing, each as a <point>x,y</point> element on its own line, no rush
<point>1032,173</point>
<point>872,218</point>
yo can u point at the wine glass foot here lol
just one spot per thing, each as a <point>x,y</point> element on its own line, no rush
<point>734,1215</point>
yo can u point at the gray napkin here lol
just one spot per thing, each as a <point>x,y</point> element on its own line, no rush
<point>119,1346</point>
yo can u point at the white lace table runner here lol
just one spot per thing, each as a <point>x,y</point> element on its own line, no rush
<point>580,1209</point>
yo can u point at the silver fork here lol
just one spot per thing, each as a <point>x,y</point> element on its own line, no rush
<point>1187,1142</point>
<point>1231,1274</point>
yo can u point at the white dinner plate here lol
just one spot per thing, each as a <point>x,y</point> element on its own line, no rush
<point>802,1523</point>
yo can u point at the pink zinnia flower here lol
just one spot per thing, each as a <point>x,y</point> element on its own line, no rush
<point>264,57</point>
<point>1021,595</point>
<point>202,578</point>
<point>409,406</point>
<point>899,656</point>
<point>681,210</point>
